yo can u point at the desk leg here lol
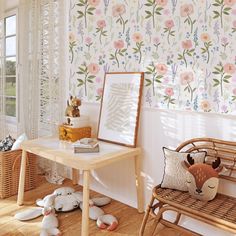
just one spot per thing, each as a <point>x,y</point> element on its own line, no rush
<point>21,187</point>
<point>85,211</point>
<point>75,176</point>
<point>139,185</point>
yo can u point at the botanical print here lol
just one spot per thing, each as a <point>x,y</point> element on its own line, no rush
<point>186,49</point>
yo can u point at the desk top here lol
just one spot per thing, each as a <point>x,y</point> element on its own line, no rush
<point>62,152</point>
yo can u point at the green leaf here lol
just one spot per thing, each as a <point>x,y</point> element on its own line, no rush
<point>80,72</point>
<point>226,13</point>
<point>91,8</point>
<point>227,9</point>
<point>90,81</point>
<point>227,76</point>
<point>148,4</point>
<point>90,13</point>
<point>148,80</point>
<point>158,81</point>
<point>80,4</point>
<point>91,77</point>
<point>216,4</point>
<point>148,72</point>
<point>216,72</point>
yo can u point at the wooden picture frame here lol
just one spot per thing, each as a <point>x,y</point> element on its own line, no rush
<point>120,108</point>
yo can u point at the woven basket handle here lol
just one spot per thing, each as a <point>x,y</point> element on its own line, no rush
<point>17,160</point>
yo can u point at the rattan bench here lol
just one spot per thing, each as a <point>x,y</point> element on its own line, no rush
<point>220,212</point>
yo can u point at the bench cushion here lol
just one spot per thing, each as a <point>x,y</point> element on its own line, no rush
<point>222,209</point>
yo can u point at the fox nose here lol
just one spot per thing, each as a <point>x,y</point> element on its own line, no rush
<point>198,190</point>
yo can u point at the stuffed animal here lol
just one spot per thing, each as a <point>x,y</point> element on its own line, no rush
<point>50,221</point>
<point>72,109</point>
<point>202,179</point>
<point>66,199</point>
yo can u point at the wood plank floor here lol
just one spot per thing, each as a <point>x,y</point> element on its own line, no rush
<point>70,223</point>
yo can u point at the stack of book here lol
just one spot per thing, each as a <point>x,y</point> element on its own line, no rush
<point>86,145</point>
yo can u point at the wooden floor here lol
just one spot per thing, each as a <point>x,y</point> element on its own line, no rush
<point>70,223</point>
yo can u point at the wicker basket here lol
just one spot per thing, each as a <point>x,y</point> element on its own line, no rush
<point>10,172</point>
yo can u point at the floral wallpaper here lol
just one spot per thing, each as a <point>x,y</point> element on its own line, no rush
<point>187,49</point>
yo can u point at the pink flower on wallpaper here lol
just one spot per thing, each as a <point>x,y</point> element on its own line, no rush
<point>98,12</point>
<point>156,40</point>
<point>234,91</point>
<point>224,40</point>
<point>99,91</point>
<point>161,69</point>
<point>137,37</point>
<point>229,68</point>
<point>119,44</point>
<point>101,24</point>
<point>71,37</point>
<point>187,44</point>
<point>229,2</point>
<point>88,40</point>
<point>118,9</point>
<point>234,23</point>
<point>93,68</point>
<point>166,12</point>
<point>234,11</point>
<point>205,105</point>
<point>98,80</point>
<point>186,10</point>
<point>169,92</point>
<point>94,3</point>
<point>169,24</point>
<point>186,77</point>
<point>161,2</point>
<point>205,37</point>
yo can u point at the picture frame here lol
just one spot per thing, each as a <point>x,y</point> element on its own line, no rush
<point>120,108</point>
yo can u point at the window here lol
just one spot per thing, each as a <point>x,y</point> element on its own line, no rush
<point>8,58</point>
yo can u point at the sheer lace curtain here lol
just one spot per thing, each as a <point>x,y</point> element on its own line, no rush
<point>42,75</point>
<point>3,130</point>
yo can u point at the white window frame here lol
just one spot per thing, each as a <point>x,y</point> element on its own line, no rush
<point>11,122</point>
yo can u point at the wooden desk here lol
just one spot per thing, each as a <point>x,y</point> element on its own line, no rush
<point>62,152</point>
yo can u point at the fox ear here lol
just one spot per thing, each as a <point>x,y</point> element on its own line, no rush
<point>185,165</point>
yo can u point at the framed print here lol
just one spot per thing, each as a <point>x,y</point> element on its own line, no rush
<point>120,107</point>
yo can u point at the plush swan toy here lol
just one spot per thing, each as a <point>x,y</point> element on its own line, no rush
<point>66,199</point>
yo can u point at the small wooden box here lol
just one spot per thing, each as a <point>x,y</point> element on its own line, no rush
<point>73,134</point>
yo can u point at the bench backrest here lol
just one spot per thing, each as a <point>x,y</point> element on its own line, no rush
<point>225,150</point>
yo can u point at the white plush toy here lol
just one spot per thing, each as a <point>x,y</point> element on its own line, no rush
<point>50,221</point>
<point>66,199</point>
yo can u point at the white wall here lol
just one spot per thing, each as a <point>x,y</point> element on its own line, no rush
<point>159,128</point>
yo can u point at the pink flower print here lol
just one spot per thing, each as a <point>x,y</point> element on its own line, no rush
<point>205,37</point>
<point>93,3</point>
<point>188,50</point>
<point>233,11</point>
<point>93,68</point>
<point>169,92</point>
<point>88,40</point>
<point>205,106</point>
<point>101,24</point>
<point>229,68</point>
<point>234,91</point>
<point>229,3</point>
<point>161,2</point>
<point>100,91</point>
<point>71,37</point>
<point>187,44</point>
<point>98,80</point>
<point>166,12</point>
<point>186,10</point>
<point>137,37</point>
<point>169,24</point>
<point>156,40</point>
<point>168,29</point>
<point>120,50</point>
<point>186,78</point>
<point>118,9</point>
<point>234,26</point>
<point>99,94</point>
<point>119,44</point>
<point>98,12</point>
<point>161,69</point>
